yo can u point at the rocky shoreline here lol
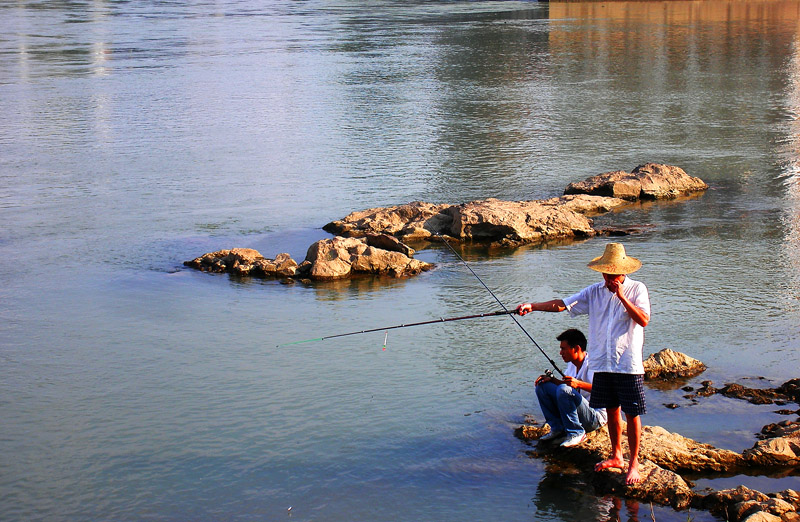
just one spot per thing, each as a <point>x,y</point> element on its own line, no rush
<point>374,241</point>
<point>666,456</point>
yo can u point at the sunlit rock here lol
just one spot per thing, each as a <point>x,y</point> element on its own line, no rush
<point>669,364</point>
<point>341,257</point>
<point>646,182</point>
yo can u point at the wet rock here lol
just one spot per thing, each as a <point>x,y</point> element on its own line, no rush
<point>647,182</point>
<point>780,429</point>
<point>742,503</point>
<point>721,502</point>
<point>752,395</point>
<point>790,389</point>
<point>669,364</point>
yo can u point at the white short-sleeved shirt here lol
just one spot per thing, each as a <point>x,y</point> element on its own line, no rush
<point>615,340</point>
<point>586,375</point>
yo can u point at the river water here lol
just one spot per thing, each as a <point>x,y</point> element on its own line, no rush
<point>137,135</point>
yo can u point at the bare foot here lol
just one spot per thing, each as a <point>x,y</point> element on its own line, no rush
<point>633,474</point>
<point>610,463</point>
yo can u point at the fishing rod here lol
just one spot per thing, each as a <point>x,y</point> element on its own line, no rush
<point>506,310</point>
<point>440,320</point>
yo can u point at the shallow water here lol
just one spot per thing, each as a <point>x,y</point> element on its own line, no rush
<point>136,136</point>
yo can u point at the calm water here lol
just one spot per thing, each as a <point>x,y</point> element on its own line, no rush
<point>137,135</point>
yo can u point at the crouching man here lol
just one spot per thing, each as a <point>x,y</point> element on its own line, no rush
<point>565,403</point>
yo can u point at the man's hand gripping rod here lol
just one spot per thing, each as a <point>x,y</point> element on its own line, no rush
<point>511,314</point>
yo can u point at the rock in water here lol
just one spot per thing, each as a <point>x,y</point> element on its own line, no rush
<point>649,181</point>
<point>669,364</point>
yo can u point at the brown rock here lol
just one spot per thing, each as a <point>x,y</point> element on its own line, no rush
<point>669,364</point>
<point>776,452</point>
<point>658,485</point>
<point>721,502</point>
<point>516,221</point>
<point>417,220</point>
<point>761,516</point>
<point>678,453</point>
<point>344,256</point>
<point>244,262</point>
<point>648,181</point>
<point>285,266</point>
<point>789,495</point>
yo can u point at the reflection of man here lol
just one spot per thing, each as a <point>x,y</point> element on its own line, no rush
<point>565,404</point>
<point>618,309</point>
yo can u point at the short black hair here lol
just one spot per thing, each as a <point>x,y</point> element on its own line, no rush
<point>574,337</point>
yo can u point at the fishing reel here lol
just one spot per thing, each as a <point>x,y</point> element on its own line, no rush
<point>549,373</point>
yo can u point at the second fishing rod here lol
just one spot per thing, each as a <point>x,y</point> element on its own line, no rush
<point>506,310</point>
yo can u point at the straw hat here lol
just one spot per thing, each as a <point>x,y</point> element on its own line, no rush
<point>614,261</point>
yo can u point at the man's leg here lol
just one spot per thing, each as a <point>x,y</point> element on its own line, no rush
<point>615,434</point>
<point>634,438</point>
<point>569,403</point>
<point>546,393</point>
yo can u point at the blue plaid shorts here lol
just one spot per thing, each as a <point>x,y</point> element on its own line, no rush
<point>612,390</point>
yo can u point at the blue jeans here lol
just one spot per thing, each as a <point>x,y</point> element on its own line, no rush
<point>565,409</point>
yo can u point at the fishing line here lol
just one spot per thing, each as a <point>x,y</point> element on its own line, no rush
<point>506,310</point>
<point>387,328</point>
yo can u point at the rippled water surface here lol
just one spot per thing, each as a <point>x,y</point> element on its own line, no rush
<point>137,135</point>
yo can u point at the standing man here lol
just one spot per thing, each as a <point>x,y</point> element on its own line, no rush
<point>618,309</point>
<point>565,404</point>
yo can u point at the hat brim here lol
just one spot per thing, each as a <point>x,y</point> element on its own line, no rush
<point>628,266</point>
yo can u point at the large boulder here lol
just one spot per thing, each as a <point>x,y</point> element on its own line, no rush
<point>649,181</point>
<point>669,364</point>
<point>345,256</point>
<point>494,220</point>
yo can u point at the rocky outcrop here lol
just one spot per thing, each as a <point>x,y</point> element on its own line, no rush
<point>492,221</point>
<point>669,364</point>
<point>783,394</point>
<point>743,504</point>
<point>646,182</point>
<point>245,262</point>
<point>326,259</point>
<point>664,456</point>
<point>488,220</point>
<point>513,223</point>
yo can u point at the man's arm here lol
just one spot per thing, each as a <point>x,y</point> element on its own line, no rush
<point>556,305</point>
<point>635,313</point>
<point>577,384</point>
